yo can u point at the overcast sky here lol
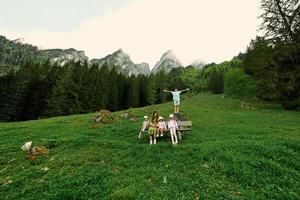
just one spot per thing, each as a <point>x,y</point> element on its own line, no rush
<point>212,30</point>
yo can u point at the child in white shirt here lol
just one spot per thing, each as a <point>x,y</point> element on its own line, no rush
<point>172,125</point>
<point>144,126</point>
<point>161,127</point>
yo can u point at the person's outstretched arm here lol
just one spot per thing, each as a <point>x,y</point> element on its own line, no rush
<point>167,91</point>
<point>187,89</point>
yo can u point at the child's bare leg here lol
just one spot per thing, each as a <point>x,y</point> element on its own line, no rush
<point>154,138</point>
<point>171,133</point>
<point>150,138</point>
<point>175,136</point>
<point>161,132</point>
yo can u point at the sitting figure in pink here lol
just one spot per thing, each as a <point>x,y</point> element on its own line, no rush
<point>161,127</point>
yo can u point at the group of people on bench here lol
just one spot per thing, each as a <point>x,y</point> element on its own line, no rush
<point>156,125</point>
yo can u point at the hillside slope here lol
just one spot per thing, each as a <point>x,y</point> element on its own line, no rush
<point>231,153</point>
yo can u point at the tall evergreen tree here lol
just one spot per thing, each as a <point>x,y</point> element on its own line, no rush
<point>98,93</point>
<point>12,93</point>
<point>162,84</point>
<point>216,82</point>
<point>113,93</point>
<point>134,92</point>
<point>275,60</point>
<point>85,88</point>
<point>123,88</point>
<point>151,90</point>
<point>261,65</point>
<point>143,90</point>
<point>104,86</point>
<point>34,102</point>
<point>58,103</point>
<point>175,80</point>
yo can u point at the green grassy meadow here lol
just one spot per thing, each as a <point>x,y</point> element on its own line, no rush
<point>231,153</point>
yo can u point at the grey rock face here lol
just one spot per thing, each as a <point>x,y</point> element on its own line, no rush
<point>62,56</point>
<point>143,68</point>
<point>122,63</point>
<point>167,62</point>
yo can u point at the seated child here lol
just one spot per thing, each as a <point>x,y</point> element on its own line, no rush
<point>161,127</point>
<point>144,126</point>
<point>172,125</point>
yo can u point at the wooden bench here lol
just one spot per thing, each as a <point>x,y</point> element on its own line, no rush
<point>184,125</point>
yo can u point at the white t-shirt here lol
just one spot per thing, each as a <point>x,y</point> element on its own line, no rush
<point>176,95</point>
<point>172,124</point>
<point>145,125</point>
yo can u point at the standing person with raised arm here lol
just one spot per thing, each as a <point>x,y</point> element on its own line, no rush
<point>176,98</point>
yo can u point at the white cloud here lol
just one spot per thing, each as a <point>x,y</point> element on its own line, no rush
<point>213,30</point>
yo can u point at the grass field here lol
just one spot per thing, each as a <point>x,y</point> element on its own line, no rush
<point>231,153</point>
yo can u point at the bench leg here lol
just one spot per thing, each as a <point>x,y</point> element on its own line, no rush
<point>179,135</point>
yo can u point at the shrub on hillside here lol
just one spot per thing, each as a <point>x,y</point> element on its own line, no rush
<point>201,86</point>
<point>216,82</point>
<point>238,84</point>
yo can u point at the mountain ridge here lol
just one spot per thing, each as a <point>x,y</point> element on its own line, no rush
<point>17,52</point>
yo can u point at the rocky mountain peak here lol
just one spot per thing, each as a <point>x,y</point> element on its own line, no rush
<point>167,62</point>
<point>123,63</point>
<point>199,63</point>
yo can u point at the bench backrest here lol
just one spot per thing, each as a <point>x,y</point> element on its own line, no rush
<point>184,125</point>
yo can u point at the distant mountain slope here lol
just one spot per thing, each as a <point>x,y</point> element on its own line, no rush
<point>16,53</point>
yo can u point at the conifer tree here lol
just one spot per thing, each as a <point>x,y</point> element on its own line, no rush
<point>58,101</point>
<point>123,88</point>
<point>216,82</point>
<point>162,84</point>
<point>151,90</point>
<point>95,85</point>
<point>134,90</point>
<point>143,87</point>
<point>12,92</point>
<point>103,86</point>
<point>113,95</point>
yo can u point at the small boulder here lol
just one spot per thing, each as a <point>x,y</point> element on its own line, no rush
<point>104,116</point>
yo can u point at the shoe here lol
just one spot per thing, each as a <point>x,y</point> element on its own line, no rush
<point>154,142</point>
<point>161,135</point>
